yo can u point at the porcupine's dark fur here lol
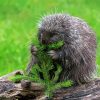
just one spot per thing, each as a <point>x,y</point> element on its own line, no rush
<point>78,54</point>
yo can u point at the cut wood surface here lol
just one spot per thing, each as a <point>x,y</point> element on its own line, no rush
<point>26,90</point>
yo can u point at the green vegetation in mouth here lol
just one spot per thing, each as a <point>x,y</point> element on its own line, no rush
<point>56,45</point>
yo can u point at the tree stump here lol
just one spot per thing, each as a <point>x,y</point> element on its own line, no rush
<point>26,90</point>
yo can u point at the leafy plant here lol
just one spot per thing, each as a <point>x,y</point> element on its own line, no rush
<point>43,67</point>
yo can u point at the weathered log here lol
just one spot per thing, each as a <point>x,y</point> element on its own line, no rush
<point>27,90</point>
<point>11,91</point>
<point>89,91</point>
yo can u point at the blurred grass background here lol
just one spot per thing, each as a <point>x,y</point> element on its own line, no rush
<point>18,26</point>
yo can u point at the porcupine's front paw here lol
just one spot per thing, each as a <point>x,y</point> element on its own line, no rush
<point>33,50</point>
<point>54,55</point>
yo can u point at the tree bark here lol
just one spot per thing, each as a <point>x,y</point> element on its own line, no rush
<point>89,91</point>
<point>26,90</point>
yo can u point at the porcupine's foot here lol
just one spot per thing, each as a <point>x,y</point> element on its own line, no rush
<point>56,54</point>
<point>53,54</point>
<point>33,50</point>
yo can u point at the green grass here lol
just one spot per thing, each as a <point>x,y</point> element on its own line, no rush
<point>18,26</point>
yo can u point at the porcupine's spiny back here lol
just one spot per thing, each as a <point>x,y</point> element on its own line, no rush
<point>79,45</point>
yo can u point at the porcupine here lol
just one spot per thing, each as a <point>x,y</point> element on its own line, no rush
<point>78,54</point>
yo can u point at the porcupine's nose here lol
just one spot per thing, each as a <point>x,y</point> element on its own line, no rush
<point>43,41</point>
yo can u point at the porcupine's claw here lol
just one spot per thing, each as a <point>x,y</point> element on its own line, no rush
<point>53,54</point>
